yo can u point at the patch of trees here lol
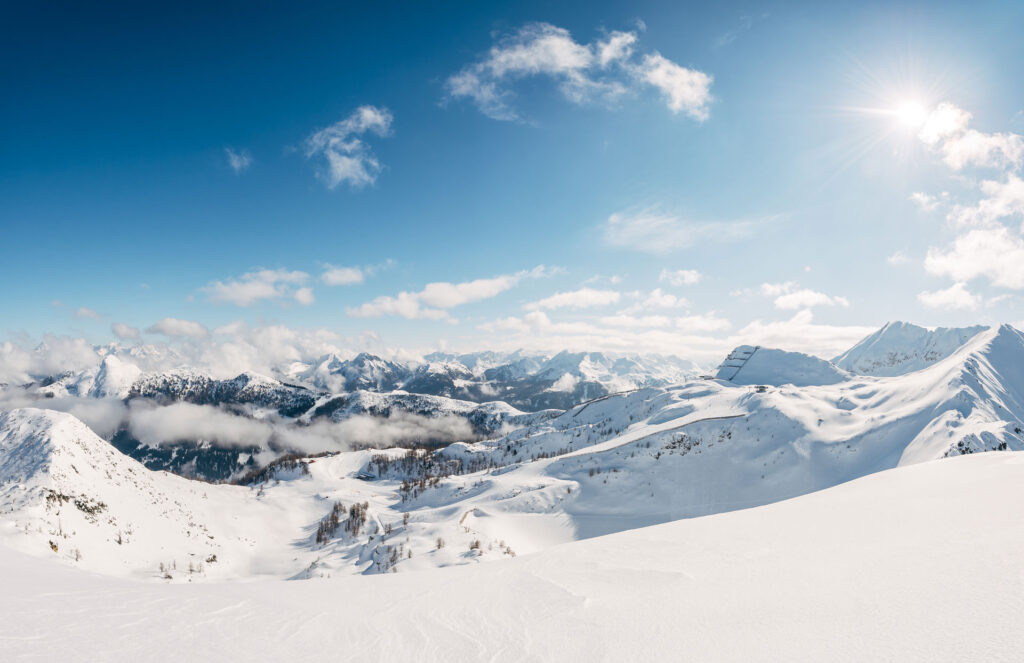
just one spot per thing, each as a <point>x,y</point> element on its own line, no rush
<point>353,523</point>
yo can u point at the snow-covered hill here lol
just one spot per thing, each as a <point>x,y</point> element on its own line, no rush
<point>767,366</point>
<point>900,347</point>
<point>917,564</point>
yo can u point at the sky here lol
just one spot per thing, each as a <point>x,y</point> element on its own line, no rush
<point>642,177</point>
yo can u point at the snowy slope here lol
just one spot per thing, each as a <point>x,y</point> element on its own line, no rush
<point>902,566</point>
<point>756,365</point>
<point>900,347</point>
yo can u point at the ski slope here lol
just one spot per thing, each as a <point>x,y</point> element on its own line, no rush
<point>921,563</point>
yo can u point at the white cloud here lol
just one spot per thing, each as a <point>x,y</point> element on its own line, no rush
<point>776,289</point>
<point>431,302</point>
<point>956,296</point>
<point>261,284</point>
<point>124,331</point>
<point>603,70</point>
<point>582,298</point>
<point>708,322</point>
<point>790,296</point>
<point>154,426</point>
<point>625,320</point>
<point>348,158</point>
<point>178,328</point>
<point>655,300</point>
<point>924,201</point>
<point>239,160</point>
<point>806,298</point>
<point>86,313</point>
<point>618,46</point>
<point>680,277</point>
<point>1002,200</point>
<point>304,296</point>
<point>662,233</point>
<point>995,253</point>
<point>946,128</point>
<point>898,258</point>
<point>687,90</point>
<point>342,275</point>
<point>802,334</point>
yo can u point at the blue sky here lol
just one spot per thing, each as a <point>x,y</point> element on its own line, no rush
<point>646,176</point>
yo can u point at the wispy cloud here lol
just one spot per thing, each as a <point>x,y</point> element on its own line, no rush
<point>262,284</point>
<point>123,331</point>
<point>746,22</point>
<point>86,313</point>
<point>239,160</point>
<point>433,301</point>
<point>603,70</point>
<point>680,277</point>
<point>658,233</point>
<point>576,299</point>
<point>178,328</point>
<point>346,157</point>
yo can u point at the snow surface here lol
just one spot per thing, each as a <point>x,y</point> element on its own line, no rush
<point>768,366</point>
<point>900,347</point>
<point>922,563</point>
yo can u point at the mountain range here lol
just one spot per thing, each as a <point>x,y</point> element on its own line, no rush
<point>771,425</point>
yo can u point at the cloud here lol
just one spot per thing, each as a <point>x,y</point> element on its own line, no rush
<point>808,299</point>
<point>680,277</point>
<point>304,296</point>
<point>155,425</point>
<point>239,160</point>
<point>178,328</point>
<point>802,334</point>
<point>924,201</point>
<point>956,296</point>
<point>708,322</point>
<point>124,331</point>
<point>582,298</point>
<point>1001,200</point>
<point>747,21</point>
<point>85,313</point>
<point>342,275</point>
<point>789,296</point>
<point>603,70</point>
<point>662,233</point>
<point>687,90</point>
<point>346,157</point>
<point>655,300</point>
<point>898,258</point>
<point>995,253</point>
<point>946,128</point>
<point>431,302</point>
<point>261,284</point>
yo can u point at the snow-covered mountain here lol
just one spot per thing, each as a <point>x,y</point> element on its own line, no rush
<point>617,462</point>
<point>192,386</point>
<point>900,347</point>
<point>767,366</point>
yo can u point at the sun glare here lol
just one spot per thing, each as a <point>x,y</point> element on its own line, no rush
<point>911,114</point>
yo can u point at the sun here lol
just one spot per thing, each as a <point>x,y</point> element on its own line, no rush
<point>911,114</point>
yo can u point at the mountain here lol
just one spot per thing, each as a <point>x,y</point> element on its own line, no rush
<point>195,387</point>
<point>614,463</point>
<point>767,366</point>
<point>900,347</point>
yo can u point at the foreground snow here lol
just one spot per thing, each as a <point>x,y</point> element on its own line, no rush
<point>919,563</point>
